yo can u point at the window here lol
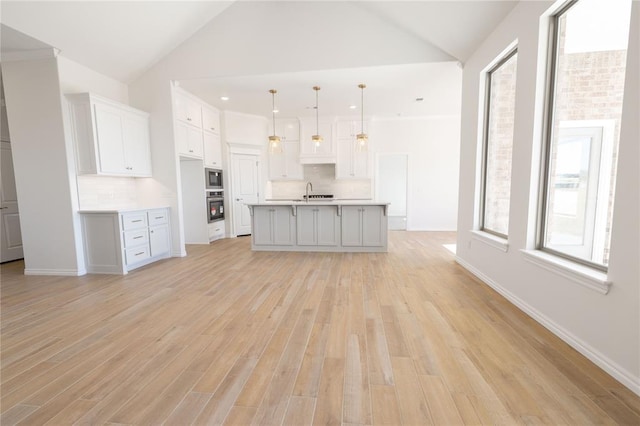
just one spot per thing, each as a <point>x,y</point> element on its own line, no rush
<point>498,145</point>
<point>588,61</point>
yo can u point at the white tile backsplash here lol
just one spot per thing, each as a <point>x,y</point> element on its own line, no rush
<point>106,192</point>
<point>322,177</point>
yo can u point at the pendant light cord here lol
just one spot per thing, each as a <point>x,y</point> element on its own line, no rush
<point>273,110</point>
<point>316,89</point>
<point>362,108</point>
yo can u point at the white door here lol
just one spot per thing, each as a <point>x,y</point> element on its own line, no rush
<point>11,244</point>
<point>391,186</point>
<point>245,189</point>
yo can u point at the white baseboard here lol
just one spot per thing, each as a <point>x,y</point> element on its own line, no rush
<point>619,373</point>
<point>56,272</point>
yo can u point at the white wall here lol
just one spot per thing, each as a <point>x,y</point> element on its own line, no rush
<point>606,328</point>
<point>44,168</point>
<point>96,192</point>
<point>156,97</point>
<point>76,78</point>
<point>433,145</point>
<point>263,37</point>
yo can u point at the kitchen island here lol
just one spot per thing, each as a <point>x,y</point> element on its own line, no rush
<point>331,226</point>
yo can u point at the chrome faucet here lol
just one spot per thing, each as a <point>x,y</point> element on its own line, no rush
<point>309,188</point>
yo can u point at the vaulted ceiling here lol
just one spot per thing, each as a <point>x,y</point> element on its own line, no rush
<point>214,46</point>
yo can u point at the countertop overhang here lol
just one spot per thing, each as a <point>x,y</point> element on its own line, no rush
<point>320,203</point>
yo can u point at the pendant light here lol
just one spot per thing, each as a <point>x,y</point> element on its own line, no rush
<point>316,139</point>
<point>362,140</point>
<point>275,146</point>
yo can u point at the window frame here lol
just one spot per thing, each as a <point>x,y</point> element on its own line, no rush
<point>548,135</point>
<point>485,141</point>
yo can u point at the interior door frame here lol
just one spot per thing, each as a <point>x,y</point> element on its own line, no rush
<point>242,149</point>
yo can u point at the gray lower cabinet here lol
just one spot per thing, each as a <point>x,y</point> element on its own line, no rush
<point>364,226</point>
<point>318,225</point>
<point>116,242</point>
<point>331,227</point>
<point>273,225</point>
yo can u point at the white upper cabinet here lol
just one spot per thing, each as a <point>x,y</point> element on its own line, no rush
<point>286,165</point>
<point>110,138</point>
<point>212,150</point>
<point>323,152</point>
<point>189,140</point>
<point>211,137</point>
<point>210,119</point>
<point>197,127</point>
<point>187,109</point>
<point>287,128</point>
<point>351,163</point>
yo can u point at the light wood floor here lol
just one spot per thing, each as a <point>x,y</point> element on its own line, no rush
<point>229,336</point>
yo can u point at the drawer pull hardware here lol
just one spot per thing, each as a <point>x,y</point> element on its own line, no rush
<point>159,217</point>
<point>137,220</point>
<point>138,254</point>
<point>138,237</point>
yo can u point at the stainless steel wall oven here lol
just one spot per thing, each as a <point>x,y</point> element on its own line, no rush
<point>215,206</point>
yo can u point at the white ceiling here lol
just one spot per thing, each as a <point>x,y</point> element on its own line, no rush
<point>391,91</point>
<point>124,39</point>
<point>121,39</point>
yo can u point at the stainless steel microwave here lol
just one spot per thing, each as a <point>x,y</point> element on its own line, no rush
<point>213,179</point>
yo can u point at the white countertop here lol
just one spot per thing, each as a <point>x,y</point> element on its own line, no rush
<point>120,210</point>
<point>320,203</point>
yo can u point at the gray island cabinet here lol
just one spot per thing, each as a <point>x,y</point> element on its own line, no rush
<point>333,226</point>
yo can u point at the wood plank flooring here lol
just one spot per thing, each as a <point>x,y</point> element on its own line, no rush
<point>230,336</point>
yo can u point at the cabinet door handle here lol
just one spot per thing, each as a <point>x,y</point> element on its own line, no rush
<point>213,128</point>
<point>159,217</point>
<point>138,254</point>
<point>136,221</point>
<point>190,150</point>
<point>152,232</point>
<point>188,118</point>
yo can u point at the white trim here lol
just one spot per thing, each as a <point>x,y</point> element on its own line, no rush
<point>609,366</point>
<point>30,55</point>
<point>491,240</point>
<point>413,117</point>
<point>56,272</point>
<point>583,275</point>
<point>178,253</point>
<point>244,148</point>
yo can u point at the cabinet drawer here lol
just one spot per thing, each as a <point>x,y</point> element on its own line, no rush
<point>137,254</point>
<point>158,217</point>
<point>136,238</point>
<point>134,220</point>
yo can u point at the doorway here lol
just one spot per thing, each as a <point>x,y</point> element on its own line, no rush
<point>10,234</point>
<point>245,188</point>
<point>391,186</point>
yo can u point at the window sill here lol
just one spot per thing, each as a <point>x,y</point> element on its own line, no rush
<point>583,275</point>
<point>491,240</point>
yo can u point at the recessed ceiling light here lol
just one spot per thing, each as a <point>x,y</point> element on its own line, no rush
<point>352,107</point>
<point>224,98</point>
<point>275,111</point>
